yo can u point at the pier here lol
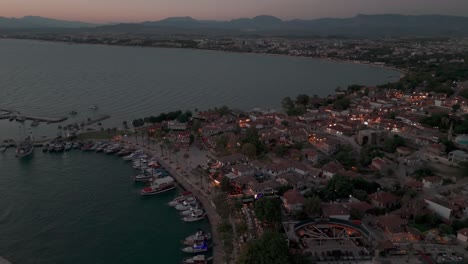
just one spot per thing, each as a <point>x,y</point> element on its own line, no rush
<point>88,122</point>
<point>12,114</point>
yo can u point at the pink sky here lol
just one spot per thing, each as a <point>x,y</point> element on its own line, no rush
<point>143,10</point>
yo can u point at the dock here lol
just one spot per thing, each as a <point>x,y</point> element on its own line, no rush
<point>88,122</point>
<point>12,114</point>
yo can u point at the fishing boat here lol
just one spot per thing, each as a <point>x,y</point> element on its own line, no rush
<point>59,146</point>
<point>186,204</point>
<point>50,148</point>
<point>94,107</point>
<point>159,186</point>
<point>73,113</point>
<point>25,148</point>
<point>198,259</point>
<point>35,123</point>
<point>196,248</point>
<point>20,118</point>
<point>45,147</point>
<point>196,215</point>
<point>68,145</point>
<point>180,198</point>
<point>198,237</point>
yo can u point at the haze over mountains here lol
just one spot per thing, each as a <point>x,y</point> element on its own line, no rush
<point>360,25</point>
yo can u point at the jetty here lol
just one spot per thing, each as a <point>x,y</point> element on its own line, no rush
<point>88,122</point>
<point>12,114</point>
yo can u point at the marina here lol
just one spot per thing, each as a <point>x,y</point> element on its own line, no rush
<point>71,150</point>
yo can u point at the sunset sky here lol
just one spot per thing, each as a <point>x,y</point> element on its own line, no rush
<point>143,10</point>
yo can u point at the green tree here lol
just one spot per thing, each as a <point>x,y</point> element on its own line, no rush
<point>287,104</point>
<point>302,99</point>
<point>226,185</point>
<point>249,150</point>
<point>268,210</point>
<point>270,248</point>
<point>455,108</point>
<point>342,104</point>
<point>312,206</point>
<point>356,214</point>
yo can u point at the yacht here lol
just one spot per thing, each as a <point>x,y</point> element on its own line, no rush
<point>76,145</point>
<point>94,107</point>
<point>198,237</point>
<point>144,177</point>
<point>196,215</point>
<point>196,248</point>
<point>179,199</point>
<point>198,259</point>
<point>50,148</point>
<point>25,148</point>
<point>186,204</point>
<point>159,186</point>
<point>193,209</point>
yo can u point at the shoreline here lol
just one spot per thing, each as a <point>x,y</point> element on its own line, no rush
<point>370,64</point>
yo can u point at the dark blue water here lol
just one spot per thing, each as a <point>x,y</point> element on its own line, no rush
<point>80,207</point>
<point>52,79</point>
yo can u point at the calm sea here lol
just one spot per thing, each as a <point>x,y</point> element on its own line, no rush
<point>52,79</point>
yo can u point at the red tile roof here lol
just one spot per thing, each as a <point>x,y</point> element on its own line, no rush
<point>294,197</point>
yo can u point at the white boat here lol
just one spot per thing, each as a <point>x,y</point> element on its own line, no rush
<point>198,259</point>
<point>190,211</point>
<point>180,198</point>
<point>142,177</point>
<point>94,107</point>
<point>3,148</point>
<point>196,248</point>
<point>25,148</point>
<point>196,215</point>
<point>159,186</point>
<point>68,145</point>
<point>135,155</point>
<point>198,237</point>
<point>186,204</point>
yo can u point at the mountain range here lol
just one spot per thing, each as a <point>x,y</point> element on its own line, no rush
<point>40,22</point>
<point>360,25</point>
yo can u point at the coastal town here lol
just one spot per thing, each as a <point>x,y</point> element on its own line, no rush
<point>366,175</point>
<point>369,174</point>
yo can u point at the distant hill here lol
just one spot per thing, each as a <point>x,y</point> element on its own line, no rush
<point>40,22</point>
<point>359,26</point>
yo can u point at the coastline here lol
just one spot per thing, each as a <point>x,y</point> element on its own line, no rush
<point>386,67</point>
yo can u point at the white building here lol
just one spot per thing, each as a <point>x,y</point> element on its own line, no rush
<point>440,207</point>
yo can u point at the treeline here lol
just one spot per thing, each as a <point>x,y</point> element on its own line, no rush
<point>303,101</point>
<point>178,115</point>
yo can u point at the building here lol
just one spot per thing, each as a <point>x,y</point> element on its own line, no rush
<point>458,156</point>
<point>231,159</point>
<point>336,210</point>
<point>432,182</point>
<point>310,155</point>
<point>394,226</point>
<point>331,169</point>
<point>243,170</point>
<point>462,235</point>
<point>293,202</point>
<point>441,207</point>
<point>384,200</point>
<point>370,137</point>
<point>174,125</point>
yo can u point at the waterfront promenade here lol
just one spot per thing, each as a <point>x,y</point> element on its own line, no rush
<point>180,176</point>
